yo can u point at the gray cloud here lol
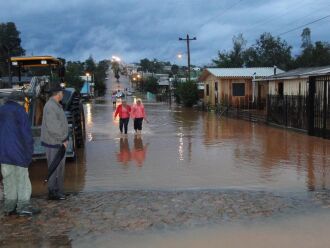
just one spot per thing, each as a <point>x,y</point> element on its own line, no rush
<point>133,29</point>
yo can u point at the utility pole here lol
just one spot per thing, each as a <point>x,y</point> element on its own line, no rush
<point>188,39</point>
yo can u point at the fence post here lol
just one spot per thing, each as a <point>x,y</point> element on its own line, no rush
<point>310,103</point>
<point>325,105</point>
<point>267,108</point>
<point>285,110</point>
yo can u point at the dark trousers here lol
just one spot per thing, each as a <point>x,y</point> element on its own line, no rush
<point>56,181</point>
<point>138,124</point>
<point>123,123</point>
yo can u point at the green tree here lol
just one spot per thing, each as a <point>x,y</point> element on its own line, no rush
<point>269,51</point>
<point>233,58</point>
<point>317,54</point>
<point>157,66</point>
<point>74,69</point>
<point>115,68</point>
<point>98,72</point>
<point>145,64</point>
<point>100,75</point>
<point>314,55</point>
<point>154,65</point>
<point>150,85</point>
<point>10,45</point>
<point>175,69</point>
<point>90,65</point>
<point>186,93</point>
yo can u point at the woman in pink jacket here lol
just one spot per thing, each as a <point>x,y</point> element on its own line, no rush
<point>138,113</point>
<point>123,110</point>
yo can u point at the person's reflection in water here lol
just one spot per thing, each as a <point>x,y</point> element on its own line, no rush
<point>140,151</point>
<point>124,155</point>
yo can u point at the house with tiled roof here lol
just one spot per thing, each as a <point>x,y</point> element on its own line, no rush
<point>233,86</point>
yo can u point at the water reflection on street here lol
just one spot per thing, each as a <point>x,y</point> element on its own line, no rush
<point>182,148</point>
<point>136,154</point>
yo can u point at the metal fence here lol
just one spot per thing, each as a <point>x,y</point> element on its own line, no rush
<point>288,111</point>
<point>319,106</point>
<point>310,112</point>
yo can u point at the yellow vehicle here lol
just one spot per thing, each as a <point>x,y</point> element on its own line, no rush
<point>45,71</point>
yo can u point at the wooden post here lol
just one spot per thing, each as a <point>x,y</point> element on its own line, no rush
<point>188,39</point>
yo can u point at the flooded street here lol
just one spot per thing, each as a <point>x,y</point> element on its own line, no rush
<point>185,149</point>
<point>191,180</point>
<point>165,124</point>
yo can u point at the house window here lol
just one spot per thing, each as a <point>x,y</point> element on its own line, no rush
<point>239,89</point>
<point>216,86</point>
<point>207,90</point>
<point>280,89</point>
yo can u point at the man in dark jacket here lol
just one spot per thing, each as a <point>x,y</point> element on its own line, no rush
<point>16,149</point>
<point>54,134</point>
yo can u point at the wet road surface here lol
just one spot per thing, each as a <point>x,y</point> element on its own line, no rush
<point>184,149</point>
<point>253,170</point>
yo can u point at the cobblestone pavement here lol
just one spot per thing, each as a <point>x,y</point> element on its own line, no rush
<point>136,211</point>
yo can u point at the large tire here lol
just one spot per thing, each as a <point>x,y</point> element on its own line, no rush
<point>78,120</point>
<point>81,128</point>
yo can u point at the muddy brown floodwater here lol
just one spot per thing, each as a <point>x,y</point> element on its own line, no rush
<point>185,149</point>
<point>132,189</point>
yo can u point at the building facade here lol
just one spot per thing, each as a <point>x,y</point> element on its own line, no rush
<point>234,86</point>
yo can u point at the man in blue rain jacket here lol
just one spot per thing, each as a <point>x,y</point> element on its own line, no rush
<point>16,148</point>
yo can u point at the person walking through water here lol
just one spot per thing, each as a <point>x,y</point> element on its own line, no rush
<point>16,149</point>
<point>138,114</point>
<point>124,111</point>
<point>114,99</point>
<point>54,133</point>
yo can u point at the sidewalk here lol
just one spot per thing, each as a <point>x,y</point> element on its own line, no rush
<point>139,211</point>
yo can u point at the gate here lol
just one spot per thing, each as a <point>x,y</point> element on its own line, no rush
<point>319,106</point>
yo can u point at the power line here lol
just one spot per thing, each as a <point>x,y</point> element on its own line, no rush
<point>304,25</point>
<point>299,20</point>
<point>223,12</point>
<point>283,14</point>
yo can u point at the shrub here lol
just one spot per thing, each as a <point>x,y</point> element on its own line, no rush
<point>186,93</point>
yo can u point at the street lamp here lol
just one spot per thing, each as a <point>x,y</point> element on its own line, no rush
<point>140,82</point>
<point>90,85</point>
<point>87,75</point>
<point>115,58</point>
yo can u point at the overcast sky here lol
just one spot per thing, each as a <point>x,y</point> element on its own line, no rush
<point>131,29</point>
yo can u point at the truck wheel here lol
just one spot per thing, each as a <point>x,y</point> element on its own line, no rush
<point>78,120</point>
